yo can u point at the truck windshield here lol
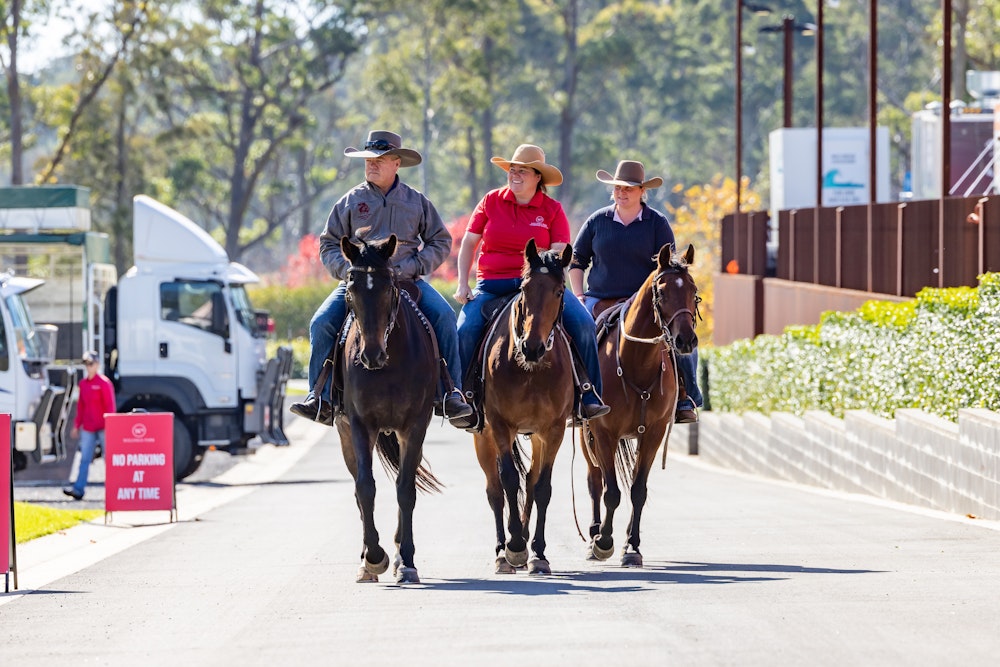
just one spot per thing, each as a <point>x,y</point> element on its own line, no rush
<point>28,346</point>
<point>244,310</point>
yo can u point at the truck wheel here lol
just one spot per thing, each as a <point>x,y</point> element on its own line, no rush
<point>183,451</point>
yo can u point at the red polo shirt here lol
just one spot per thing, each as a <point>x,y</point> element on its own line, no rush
<point>506,227</point>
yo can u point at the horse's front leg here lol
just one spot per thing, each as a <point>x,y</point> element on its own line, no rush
<point>411,452</point>
<point>595,482</point>
<point>486,452</point>
<point>516,549</point>
<point>540,481</point>
<point>603,544</point>
<point>646,456</point>
<point>374,559</point>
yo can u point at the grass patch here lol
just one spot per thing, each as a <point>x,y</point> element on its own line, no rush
<point>31,521</point>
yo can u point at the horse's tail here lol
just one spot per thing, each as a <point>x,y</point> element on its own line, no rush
<point>519,457</point>
<point>388,448</point>
<point>625,461</point>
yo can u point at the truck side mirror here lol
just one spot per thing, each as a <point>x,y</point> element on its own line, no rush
<point>220,318</point>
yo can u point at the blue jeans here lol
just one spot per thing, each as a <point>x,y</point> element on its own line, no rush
<point>330,316</point>
<point>687,367</point>
<point>577,321</point>
<point>88,443</point>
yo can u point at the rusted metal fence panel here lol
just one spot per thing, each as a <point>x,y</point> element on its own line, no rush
<point>917,247</point>
<point>826,250</point>
<point>988,226</point>
<point>853,247</point>
<point>961,242</point>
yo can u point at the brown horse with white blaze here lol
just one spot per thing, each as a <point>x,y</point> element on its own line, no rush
<point>641,386</point>
<point>527,389</point>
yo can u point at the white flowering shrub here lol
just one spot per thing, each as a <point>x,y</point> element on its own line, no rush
<point>939,352</point>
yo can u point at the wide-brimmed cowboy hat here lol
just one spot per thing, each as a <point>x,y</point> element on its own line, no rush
<point>528,155</point>
<point>381,142</point>
<point>629,173</point>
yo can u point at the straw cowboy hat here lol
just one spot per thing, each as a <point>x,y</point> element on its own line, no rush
<point>629,173</point>
<point>528,155</point>
<point>381,142</point>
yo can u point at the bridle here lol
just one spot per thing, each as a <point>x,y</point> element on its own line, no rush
<point>515,317</point>
<point>665,336</point>
<point>393,309</point>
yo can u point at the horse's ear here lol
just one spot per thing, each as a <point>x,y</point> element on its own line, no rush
<point>567,255</point>
<point>531,251</point>
<point>689,255</point>
<point>665,254</point>
<point>350,250</point>
<point>389,247</point>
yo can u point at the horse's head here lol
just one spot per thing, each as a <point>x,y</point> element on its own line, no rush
<point>373,296</point>
<point>675,297</point>
<point>539,307</point>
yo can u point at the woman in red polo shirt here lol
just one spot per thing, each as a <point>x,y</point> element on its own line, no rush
<point>503,222</point>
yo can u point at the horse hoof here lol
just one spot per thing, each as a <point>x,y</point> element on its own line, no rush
<point>539,566</point>
<point>600,554</point>
<point>503,567</point>
<point>516,559</point>
<point>407,575</point>
<point>377,568</point>
<point>366,577</point>
<point>631,559</point>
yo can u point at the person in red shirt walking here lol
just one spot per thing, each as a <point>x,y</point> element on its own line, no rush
<point>96,398</point>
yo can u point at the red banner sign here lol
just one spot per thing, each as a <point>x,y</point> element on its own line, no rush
<point>139,461</point>
<point>6,497</point>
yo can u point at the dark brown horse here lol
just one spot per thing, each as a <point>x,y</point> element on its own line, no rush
<point>389,354</point>
<point>640,385</point>
<point>527,388</point>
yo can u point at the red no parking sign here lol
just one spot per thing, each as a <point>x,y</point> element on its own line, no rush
<point>139,462</point>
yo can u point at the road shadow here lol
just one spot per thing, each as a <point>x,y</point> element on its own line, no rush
<point>630,580</point>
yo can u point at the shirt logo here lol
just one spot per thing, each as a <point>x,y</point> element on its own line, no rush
<point>539,222</point>
<point>363,210</point>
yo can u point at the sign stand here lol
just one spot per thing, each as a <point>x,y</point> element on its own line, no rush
<point>8,555</point>
<point>139,463</point>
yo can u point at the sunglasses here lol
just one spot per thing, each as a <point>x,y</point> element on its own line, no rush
<point>380,145</point>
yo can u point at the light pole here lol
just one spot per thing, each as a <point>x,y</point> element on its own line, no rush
<point>789,27</point>
<point>759,10</point>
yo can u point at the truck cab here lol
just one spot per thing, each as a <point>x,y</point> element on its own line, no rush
<point>182,336</point>
<point>25,392</point>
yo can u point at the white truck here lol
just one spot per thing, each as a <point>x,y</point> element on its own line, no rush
<point>177,331</point>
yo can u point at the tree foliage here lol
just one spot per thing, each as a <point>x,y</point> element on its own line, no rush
<point>237,113</point>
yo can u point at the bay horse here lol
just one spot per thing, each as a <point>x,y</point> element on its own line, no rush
<point>389,353</point>
<point>641,386</point>
<point>527,389</point>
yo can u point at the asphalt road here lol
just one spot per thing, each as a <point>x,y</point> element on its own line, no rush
<point>261,568</point>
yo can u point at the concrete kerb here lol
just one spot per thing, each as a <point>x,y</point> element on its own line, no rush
<point>52,557</point>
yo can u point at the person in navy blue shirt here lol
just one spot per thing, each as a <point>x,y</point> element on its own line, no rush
<point>619,244</point>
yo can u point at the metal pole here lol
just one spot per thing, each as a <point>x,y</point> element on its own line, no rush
<point>739,111</point>
<point>819,137</point>
<point>945,131</point>
<point>786,25</point>
<point>872,128</point>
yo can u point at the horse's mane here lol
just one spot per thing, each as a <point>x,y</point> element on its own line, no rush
<point>551,260</point>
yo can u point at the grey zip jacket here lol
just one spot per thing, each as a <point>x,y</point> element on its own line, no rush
<point>366,214</point>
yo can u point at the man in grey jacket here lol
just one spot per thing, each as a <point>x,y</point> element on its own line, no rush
<point>380,206</point>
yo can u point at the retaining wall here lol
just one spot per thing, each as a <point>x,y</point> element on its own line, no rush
<point>915,458</point>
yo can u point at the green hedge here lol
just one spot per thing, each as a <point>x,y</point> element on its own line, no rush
<point>939,352</point>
